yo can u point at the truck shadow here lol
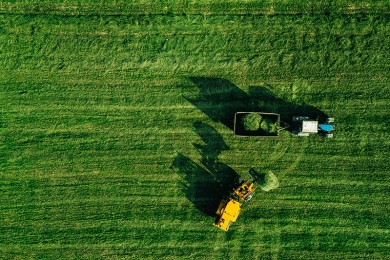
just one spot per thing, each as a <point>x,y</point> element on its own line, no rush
<point>220,99</point>
<point>205,183</point>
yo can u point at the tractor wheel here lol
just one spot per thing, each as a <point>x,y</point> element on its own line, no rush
<point>329,120</point>
<point>249,197</point>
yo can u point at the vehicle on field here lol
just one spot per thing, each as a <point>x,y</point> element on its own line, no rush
<point>265,124</point>
<point>242,191</point>
<point>304,126</point>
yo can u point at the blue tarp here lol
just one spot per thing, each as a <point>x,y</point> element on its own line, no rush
<point>326,127</point>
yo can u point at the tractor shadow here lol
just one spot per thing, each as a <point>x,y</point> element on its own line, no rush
<point>266,101</point>
<point>207,182</point>
<point>220,99</point>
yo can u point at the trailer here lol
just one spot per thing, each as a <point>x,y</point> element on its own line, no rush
<point>269,125</point>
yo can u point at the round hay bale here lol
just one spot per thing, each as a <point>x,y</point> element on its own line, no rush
<point>269,126</point>
<point>251,121</point>
<point>270,182</point>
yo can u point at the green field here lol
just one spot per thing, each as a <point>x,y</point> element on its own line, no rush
<point>116,120</point>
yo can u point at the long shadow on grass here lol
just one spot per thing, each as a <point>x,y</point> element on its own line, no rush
<point>208,181</point>
<point>220,100</point>
<point>266,101</point>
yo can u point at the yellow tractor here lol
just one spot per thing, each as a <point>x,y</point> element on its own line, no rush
<point>230,207</point>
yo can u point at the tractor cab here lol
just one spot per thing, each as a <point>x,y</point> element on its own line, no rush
<point>304,126</point>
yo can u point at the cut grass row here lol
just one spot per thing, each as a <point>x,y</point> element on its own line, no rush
<point>180,7</point>
<point>285,46</point>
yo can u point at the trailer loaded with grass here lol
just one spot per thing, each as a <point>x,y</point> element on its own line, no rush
<point>259,124</point>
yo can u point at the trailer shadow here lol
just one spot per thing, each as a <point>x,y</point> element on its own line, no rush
<point>206,182</point>
<point>220,99</point>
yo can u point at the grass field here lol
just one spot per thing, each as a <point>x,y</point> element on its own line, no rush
<point>116,136</point>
